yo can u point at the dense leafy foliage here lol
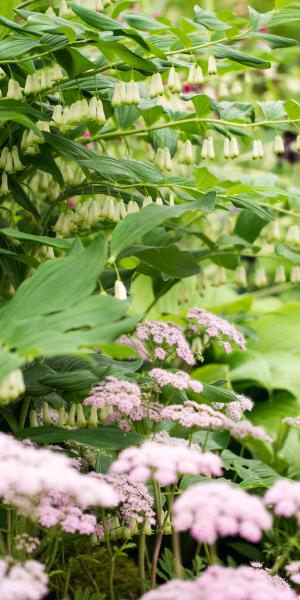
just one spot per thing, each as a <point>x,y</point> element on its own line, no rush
<point>148,167</point>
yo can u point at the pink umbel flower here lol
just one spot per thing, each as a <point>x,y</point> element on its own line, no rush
<point>22,581</point>
<point>166,459</point>
<point>235,410</point>
<point>284,496</point>
<point>293,571</point>
<point>174,590</point>
<point>57,508</point>
<point>164,339</point>
<point>243,583</point>
<point>136,504</point>
<point>214,327</point>
<point>28,473</point>
<point>216,509</point>
<point>179,380</point>
<point>121,394</point>
<point>225,583</point>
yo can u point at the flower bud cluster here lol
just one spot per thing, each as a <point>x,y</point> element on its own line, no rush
<point>231,148</point>
<point>67,117</point>
<point>14,91</point>
<point>125,94</point>
<point>42,80</point>
<point>163,159</point>
<point>10,160</point>
<point>156,86</point>
<point>195,76</point>
<point>30,140</point>
<point>174,83</point>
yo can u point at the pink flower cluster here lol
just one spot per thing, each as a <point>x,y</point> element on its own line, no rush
<point>166,464</point>
<point>284,496</point>
<point>216,509</point>
<point>235,410</point>
<point>164,339</point>
<point>135,501</point>
<point>22,581</point>
<point>57,508</point>
<point>119,393</point>
<point>179,380</point>
<point>293,571</point>
<point>225,583</point>
<point>203,416</point>
<point>28,473</point>
<point>213,326</point>
<point>26,543</point>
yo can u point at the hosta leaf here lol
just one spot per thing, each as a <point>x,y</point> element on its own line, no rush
<point>110,439</point>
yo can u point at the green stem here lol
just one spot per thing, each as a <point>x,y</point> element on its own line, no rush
<point>142,548</point>
<point>24,411</point>
<point>175,537</point>
<point>112,557</point>
<point>159,535</point>
<point>282,558</point>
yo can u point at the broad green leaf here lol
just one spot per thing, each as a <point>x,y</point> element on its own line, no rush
<point>62,243</point>
<point>69,278</point>
<point>9,361</point>
<point>221,51</point>
<point>129,57</point>
<point>171,260</point>
<point>272,110</point>
<point>73,61</point>
<point>249,225</point>
<point>13,47</point>
<point>134,226</point>
<point>110,439</point>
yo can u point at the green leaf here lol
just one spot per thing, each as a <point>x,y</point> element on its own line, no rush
<point>129,57</point>
<point>13,47</point>
<point>272,110</point>
<point>9,361</point>
<point>171,260</point>
<point>292,255</point>
<point>110,439</point>
<point>257,19</point>
<point>210,20</point>
<point>73,61</point>
<point>61,275</point>
<point>222,51</point>
<point>63,244</point>
<point>134,226</point>
<point>249,225</point>
<point>114,169</point>
<point>21,197</point>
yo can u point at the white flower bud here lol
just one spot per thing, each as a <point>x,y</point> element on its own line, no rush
<point>227,149</point>
<point>167,159</point>
<point>132,207</point>
<point>293,235</point>
<point>240,276</point>
<point>46,414</point>
<point>236,87</point>
<point>61,417</point>
<point>14,91</point>
<point>223,90</point>
<point>64,11</point>
<point>186,153</point>
<point>9,165</point>
<point>147,200</point>
<point>298,143</point>
<point>4,189</point>
<point>156,86</point>
<point>33,418</point>
<point>94,213</point>
<point>119,95</point>
<point>234,148</point>
<point>12,386</point>
<point>3,157</point>
<point>28,85</point>
<point>220,277</point>
<point>120,290</point>
<point>280,276</point>
<point>274,233</point>
<point>210,148</point>
<point>212,66</point>
<point>122,210</point>
<point>260,278</point>
<point>295,274</point>
<point>191,75</point>
<point>174,83</point>
<point>16,160</point>
<point>111,208</point>
<point>57,74</point>
<point>278,145</point>
<point>57,116</point>
<point>133,94</point>
<point>81,421</point>
<point>255,150</point>
<point>159,201</point>
<point>171,200</point>
<point>204,150</point>
<point>93,420</point>
<point>198,77</point>
<point>72,415</point>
